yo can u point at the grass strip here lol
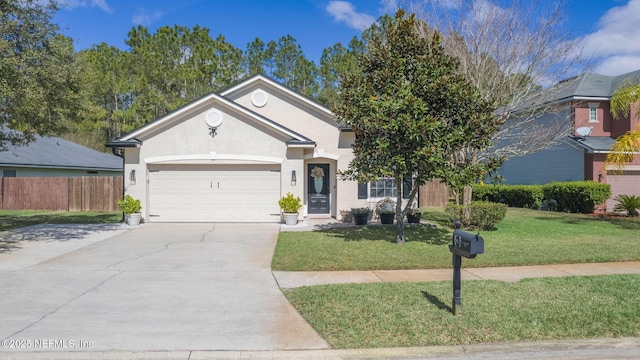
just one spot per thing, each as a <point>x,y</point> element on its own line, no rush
<point>13,219</point>
<point>419,314</point>
<point>524,237</point>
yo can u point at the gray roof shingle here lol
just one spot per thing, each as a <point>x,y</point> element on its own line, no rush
<point>587,85</point>
<point>596,85</point>
<point>595,144</point>
<point>53,152</point>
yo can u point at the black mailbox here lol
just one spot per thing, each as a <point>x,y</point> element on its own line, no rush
<point>466,244</point>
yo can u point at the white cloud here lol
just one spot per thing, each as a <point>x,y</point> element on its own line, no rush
<point>487,11</point>
<point>145,18</point>
<point>389,6</point>
<point>70,4</point>
<point>615,46</point>
<point>102,4</point>
<point>344,11</point>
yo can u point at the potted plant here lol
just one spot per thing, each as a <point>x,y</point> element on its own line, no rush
<point>290,206</point>
<point>131,208</point>
<point>386,210</point>
<point>386,216</point>
<point>386,204</point>
<point>360,215</point>
<point>414,215</point>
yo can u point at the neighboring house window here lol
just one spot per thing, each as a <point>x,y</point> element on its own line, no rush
<point>92,172</point>
<point>8,173</point>
<point>593,112</point>
<point>384,188</point>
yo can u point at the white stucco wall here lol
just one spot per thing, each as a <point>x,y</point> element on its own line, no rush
<point>332,145</point>
<point>187,141</point>
<point>243,138</point>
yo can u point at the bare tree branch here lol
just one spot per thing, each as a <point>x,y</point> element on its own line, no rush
<point>510,52</point>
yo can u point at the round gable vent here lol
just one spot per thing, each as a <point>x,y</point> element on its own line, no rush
<point>213,118</point>
<point>259,98</point>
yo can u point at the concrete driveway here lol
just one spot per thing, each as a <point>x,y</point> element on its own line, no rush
<point>159,287</point>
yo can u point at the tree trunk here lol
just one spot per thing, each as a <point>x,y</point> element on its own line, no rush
<point>466,204</point>
<point>399,215</point>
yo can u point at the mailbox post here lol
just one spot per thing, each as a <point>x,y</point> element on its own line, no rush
<point>467,245</point>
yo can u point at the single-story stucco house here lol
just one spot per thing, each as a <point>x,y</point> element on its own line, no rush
<point>230,156</point>
<point>57,157</point>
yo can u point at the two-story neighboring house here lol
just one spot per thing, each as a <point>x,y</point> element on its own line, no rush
<point>584,100</point>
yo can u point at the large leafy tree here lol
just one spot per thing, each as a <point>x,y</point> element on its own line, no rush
<point>336,60</point>
<point>411,111</point>
<point>255,57</point>
<point>292,67</point>
<point>628,144</point>
<point>108,91</point>
<point>39,76</point>
<point>176,65</point>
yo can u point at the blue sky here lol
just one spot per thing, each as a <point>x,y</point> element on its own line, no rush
<point>610,28</point>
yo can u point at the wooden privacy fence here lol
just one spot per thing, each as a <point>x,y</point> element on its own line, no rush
<point>434,193</point>
<point>86,193</point>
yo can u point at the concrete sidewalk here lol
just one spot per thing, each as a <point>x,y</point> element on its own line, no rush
<point>293,279</point>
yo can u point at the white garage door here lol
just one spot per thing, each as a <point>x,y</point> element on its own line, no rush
<point>220,193</point>
<point>627,183</point>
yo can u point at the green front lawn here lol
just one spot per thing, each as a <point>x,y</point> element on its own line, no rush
<point>13,219</point>
<point>419,314</point>
<point>524,237</point>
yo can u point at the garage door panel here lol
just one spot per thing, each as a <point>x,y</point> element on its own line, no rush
<point>627,183</point>
<point>242,193</point>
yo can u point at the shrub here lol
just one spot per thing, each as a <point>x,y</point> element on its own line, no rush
<point>577,196</point>
<point>628,203</point>
<point>525,196</point>
<point>129,205</point>
<point>360,211</point>
<point>484,215</point>
<point>290,204</point>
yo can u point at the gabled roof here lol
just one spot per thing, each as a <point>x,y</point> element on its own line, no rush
<point>262,79</point>
<point>587,86</point>
<point>594,85</point>
<point>54,152</point>
<point>594,144</point>
<point>131,139</point>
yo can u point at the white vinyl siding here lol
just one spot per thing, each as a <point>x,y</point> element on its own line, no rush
<point>221,193</point>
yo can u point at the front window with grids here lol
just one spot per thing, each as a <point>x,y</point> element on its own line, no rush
<point>383,188</point>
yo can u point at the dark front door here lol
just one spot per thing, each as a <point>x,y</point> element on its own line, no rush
<point>318,188</point>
